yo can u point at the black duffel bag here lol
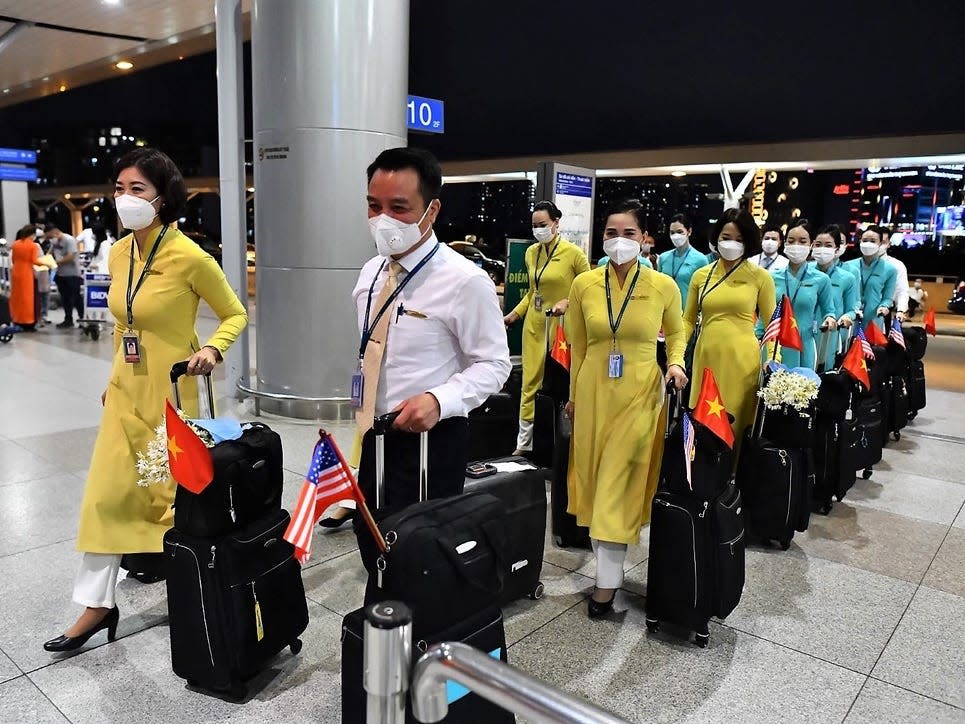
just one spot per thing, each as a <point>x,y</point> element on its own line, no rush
<point>446,558</point>
<point>247,483</point>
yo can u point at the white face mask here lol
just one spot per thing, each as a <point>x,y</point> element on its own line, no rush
<point>393,236</point>
<point>839,252</point>
<point>645,249</point>
<point>543,234</point>
<point>882,250</point>
<point>770,246</point>
<point>135,213</point>
<point>678,240</point>
<point>730,250</point>
<point>620,249</point>
<point>797,253</point>
<point>868,248</point>
<point>823,255</point>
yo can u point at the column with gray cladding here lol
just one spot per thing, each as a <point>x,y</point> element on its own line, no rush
<point>329,90</point>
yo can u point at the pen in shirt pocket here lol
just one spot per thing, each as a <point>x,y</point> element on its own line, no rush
<point>409,313</point>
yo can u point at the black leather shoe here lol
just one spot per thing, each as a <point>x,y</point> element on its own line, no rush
<point>335,523</point>
<point>65,325</point>
<point>69,643</point>
<point>597,609</point>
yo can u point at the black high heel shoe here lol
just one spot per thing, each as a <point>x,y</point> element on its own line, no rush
<point>597,609</point>
<point>334,523</point>
<point>70,643</point>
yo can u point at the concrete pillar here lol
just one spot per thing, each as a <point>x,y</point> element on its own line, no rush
<point>16,208</point>
<point>329,80</point>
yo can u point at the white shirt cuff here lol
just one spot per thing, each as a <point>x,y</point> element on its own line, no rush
<point>450,402</point>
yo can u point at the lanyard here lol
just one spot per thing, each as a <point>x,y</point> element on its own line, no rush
<point>676,269</point>
<point>705,291</point>
<point>549,258</point>
<point>131,293</point>
<point>366,329</point>
<point>614,326</point>
<point>800,282</point>
<point>864,280</point>
<point>770,261</point>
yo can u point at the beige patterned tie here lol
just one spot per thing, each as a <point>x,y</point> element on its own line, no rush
<point>374,352</point>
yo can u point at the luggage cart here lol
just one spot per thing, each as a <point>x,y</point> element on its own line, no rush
<point>96,314</point>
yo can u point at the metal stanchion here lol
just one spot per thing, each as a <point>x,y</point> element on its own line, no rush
<point>387,637</point>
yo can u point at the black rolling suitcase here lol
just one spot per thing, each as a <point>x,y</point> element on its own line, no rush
<point>776,483</point>
<point>916,388</point>
<point>523,492</point>
<point>863,442</point>
<point>447,558</point>
<point>493,427</point>
<point>834,422</point>
<point>483,631</point>
<point>233,603</point>
<point>567,533</point>
<point>696,566</point>
<point>552,395</point>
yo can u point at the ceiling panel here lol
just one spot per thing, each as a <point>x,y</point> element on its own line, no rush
<point>40,53</point>
<point>140,18</point>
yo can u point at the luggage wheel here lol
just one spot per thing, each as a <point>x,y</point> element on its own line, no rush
<point>537,593</point>
<point>912,415</point>
<point>825,508</point>
<point>896,436</point>
<point>5,338</point>
<point>866,473</point>
<point>95,333</point>
<point>558,540</point>
<point>702,638</point>
<point>653,625</point>
<point>295,646</point>
<point>785,544</point>
<point>237,691</point>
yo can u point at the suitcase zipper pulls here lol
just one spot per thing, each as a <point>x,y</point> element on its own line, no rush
<point>231,503</point>
<point>259,627</point>
<point>704,511</point>
<point>213,552</point>
<point>783,454</point>
<point>380,566</point>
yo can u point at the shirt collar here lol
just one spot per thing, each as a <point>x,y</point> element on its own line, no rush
<point>410,261</point>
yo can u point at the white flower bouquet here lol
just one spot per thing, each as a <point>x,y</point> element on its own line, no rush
<point>152,465</point>
<point>787,389</point>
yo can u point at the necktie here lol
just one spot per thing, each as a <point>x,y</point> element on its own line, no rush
<point>374,352</point>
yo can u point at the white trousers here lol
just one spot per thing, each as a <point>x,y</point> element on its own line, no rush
<point>609,563</point>
<point>97,580</point>
<point>524,441</point>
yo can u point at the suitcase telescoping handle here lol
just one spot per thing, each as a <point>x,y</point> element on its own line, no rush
<point>675,404</point>
<point>380,426</point>
<point>179,370</point>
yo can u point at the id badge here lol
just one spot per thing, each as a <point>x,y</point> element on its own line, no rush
<point>538,302</point>
<point>358,384</point>
<point>132,348</point>
<point>616,365</point>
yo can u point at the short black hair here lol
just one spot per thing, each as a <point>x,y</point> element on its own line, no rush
<point>774,227</point>
<point>425,164</point>
<point>681,219</point>
<point>51,226</point>
<point>832,230</point>
<point>163,174</point>
<point>27,231</point>
<point>750,234</point>
<point>632,207</point>
<point>877,230</point>
<point>550,208</point>
<point>803,223</point>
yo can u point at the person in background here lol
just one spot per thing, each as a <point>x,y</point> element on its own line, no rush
<point>876,278</point>
<point>917,297</point>
<point>617,394</point>
<point>628,222</point>
<point>160,278</point>
<point>683,260</point>
<point>899,299</point>
<point>42,271</point>
<point>769,258</point>
<point>25,254</point>
<point>810,293</point>
<point>723,304</point>
<point>100,249</point>
<point>844,288</point>
<point>552,264</point>
<point>64,249</point>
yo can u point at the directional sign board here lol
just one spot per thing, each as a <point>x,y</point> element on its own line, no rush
<point>18,174</point>
<point>17,155</point>
<point>425,114</point>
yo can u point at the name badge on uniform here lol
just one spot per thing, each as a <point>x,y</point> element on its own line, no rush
<point>615,369</point>
<point>132,348</point>
<point>358,384</point>
<point>538,302</point>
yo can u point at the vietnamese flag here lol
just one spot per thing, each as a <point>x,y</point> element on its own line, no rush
<point>875,335</point>
<point>789,335</point>
<point>710,410</point>
<point>561,348</point>
<point>929,320</point>
<point>855,365</point>
<point>188,457</point>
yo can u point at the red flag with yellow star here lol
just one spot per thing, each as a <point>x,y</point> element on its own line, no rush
<point>188,458</point>
<point>789,335</point>
<point>561,348</point>
<point>875,335</point>
<point>710,410</point>
<point>855,365</point>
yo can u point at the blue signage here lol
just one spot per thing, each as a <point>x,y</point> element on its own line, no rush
<point>570,184</point>
<point>18,174</point>
<point>425,114</point>
<point>96,288</point>
<point>17,155</point>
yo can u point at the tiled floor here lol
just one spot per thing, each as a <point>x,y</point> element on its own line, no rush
<point>862,620</point>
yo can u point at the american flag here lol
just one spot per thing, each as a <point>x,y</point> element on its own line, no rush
<point>774,326</point>
<point>327,482</point>
<point>896,334</point>
<point>688,446</point>
<point>865,346</point>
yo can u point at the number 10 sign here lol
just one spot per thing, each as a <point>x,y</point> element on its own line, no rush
<point>425,114</point>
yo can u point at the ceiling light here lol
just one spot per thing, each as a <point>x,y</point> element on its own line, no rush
<point>123,65</point>
<point>6,90</point>
<point>678,174</point>
<point>112,2</point>
<point>45,78</point>
<point>62,87</point>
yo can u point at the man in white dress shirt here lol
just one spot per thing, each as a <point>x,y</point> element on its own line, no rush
<point>769,258</point>
<point>443,351</point>
<point>900,298</point>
